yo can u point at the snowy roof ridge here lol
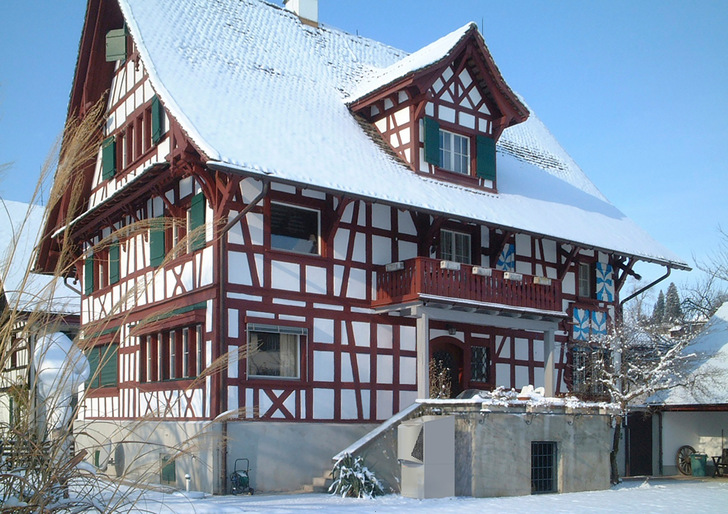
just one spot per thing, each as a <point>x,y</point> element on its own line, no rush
<point>423,58</point>
<point>217,66</point>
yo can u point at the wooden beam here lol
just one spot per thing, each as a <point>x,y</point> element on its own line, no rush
<point>563,268</point>
<point>497,244</point>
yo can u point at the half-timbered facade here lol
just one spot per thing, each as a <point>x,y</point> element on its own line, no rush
<point>285,224</point>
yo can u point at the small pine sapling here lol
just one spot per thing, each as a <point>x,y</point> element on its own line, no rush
<point>353,479</point>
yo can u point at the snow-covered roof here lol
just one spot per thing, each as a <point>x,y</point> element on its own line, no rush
<point>423,58</point>
<point>260,92</point>
<point>20,224</point>
<point>709,369</point>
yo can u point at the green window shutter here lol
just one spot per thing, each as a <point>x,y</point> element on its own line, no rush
<point>486,158</point>
<point>93,361</point>
<point>169,471</point>
<point>108,158</point>
<point>109,357</point>
<point>157,120</point>
<point>197,220</point>
<point>116,45</point>
<point>432,141</point>
<point>114,263</point>
<point>88,276</point>
<point>156,242</point>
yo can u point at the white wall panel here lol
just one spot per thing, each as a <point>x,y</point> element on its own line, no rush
<point>323,403</point>
<point>323,366</point>
<point>285,275</point>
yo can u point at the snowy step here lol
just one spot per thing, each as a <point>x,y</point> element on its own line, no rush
<point>322,481</point>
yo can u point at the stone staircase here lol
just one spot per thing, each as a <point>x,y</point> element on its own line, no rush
<point>320,484</point>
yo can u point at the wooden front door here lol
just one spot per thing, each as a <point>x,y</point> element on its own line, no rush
<point>446,353</point>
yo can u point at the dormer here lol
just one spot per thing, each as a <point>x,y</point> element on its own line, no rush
<point>443,108</point>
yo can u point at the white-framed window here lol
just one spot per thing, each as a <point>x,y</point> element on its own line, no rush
<point>185,352</point>
<point>586,280</point>
<point>274,351</point>
<point>160,356</point>
<point>149,358</point>
<point>172,355</point>
<point>200,346</point>
<point>455,246</point>
<point>454,152</point>
<point>295,229</point>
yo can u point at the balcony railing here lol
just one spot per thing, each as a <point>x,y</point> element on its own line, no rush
<point>424,276</point>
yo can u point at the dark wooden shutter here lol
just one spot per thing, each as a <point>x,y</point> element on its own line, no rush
<point>114,263</point>
<point>109,361</point>
<point>157,120</point>
<point>432,141</point>
<point>197,220</point>
<point>156,242</point>
<point>108,158</point>
<point>486,158</point>
<point>88,276</point>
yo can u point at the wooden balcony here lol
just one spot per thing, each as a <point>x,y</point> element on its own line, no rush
<point>423,276</point>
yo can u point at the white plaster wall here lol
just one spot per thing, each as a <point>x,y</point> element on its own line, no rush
<point>269,446</point>
<point>701,430</point>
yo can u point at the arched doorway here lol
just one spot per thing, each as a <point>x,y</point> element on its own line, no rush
<point>446,356</point>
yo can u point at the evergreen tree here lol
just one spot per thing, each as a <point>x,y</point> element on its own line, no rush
<point>673,311</point>
<point>658,314</point>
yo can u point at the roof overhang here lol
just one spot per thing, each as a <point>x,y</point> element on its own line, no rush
<point>479,313</point>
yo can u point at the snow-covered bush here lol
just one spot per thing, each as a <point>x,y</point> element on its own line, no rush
<point>353,479</point>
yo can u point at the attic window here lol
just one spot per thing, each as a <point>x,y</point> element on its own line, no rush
<point>454,152</point>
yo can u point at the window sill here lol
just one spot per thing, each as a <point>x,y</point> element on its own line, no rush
<point>169,383</point>
<point>269,378</point>
<point>459,179</point>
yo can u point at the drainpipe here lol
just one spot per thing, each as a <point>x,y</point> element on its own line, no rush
<point>222,326</point>
<point>648,286</point>
<point>69,286</point>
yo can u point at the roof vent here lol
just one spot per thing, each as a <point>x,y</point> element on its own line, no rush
<point>307,10</point>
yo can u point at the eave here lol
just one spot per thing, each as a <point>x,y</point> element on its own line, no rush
<point>116,204</point>
<point>271,177</point>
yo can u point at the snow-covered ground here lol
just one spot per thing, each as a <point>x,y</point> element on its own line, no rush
<point>653,495</point>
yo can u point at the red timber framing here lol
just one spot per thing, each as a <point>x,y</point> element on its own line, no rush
<point>464,91</point>
<point>357,360</point>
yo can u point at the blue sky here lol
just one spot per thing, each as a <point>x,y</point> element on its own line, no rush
<point>635,91</point>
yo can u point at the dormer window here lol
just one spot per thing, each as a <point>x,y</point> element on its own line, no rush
<point>454,152</point>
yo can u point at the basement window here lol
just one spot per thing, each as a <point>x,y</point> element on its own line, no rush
<point>543,467</point>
